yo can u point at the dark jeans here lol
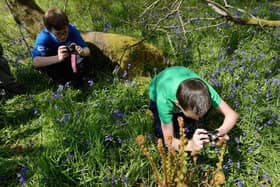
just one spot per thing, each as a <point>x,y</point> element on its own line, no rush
<point>189,127</point>
<point>62,72</point>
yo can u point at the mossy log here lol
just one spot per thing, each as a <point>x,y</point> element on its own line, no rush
<point>134,57</point>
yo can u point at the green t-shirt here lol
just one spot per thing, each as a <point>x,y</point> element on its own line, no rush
<point>163,89</point>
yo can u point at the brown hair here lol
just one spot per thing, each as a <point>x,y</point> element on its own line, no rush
<point>56,19</point>
<point>193,94</point>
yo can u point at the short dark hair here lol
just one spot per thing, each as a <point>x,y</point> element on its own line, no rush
<point>55,18</point>
<point>193,94</point>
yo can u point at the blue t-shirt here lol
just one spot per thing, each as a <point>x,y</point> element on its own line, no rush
<point>47,44</point>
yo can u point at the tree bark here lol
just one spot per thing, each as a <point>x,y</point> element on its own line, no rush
<point>27,14</point>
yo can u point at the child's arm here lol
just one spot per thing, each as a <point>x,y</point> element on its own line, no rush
<point>42,61</point>
<point>230,118</point>
<point>200,138</point>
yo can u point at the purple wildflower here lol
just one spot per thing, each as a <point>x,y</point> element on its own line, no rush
<point>90,83</point>
<point>239,183</point>
<point>118,115</point>
<point>124,179</point>
<point>250,149</point>
<point>116,70</point>
<point>225,166</point>
<point>238,149</point>
<point>237,140</point>
<point>238,164</point>
<point>124,74</point>
<point>268,94</point>
<point>267,178</point>
<point>270,122</point>
<point>35,111</point>
<point>22,175</point>
<point>275,82</point>
<point>109,138</point>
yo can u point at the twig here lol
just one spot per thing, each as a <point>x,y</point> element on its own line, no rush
<point>65,5</point>
<point>150,7</point>
<point>19,24</point>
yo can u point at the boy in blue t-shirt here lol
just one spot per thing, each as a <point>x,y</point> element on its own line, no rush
<point>52,54</point>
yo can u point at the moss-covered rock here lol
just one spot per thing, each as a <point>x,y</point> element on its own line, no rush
<point>132,55</point>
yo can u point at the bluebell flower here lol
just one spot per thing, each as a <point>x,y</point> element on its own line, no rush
<point>118,115</point>
<point>114,179</point>
<point>116,70</point>
<point>236,103</point>
<point>237,140</point>
<point>250,149</point>
<point>108,138</point>
<point>238,149</point>
<point>90,83</point>
<point>239,183</point>
<point>35,111</point>
<point>22,179</point>
<point>124,179</point>
<point>119,140</point>
<point>270,122</point>
<point>238,164</point>
<point>275,82</point>
<point>124,74</point>
<point>268,94</point>
<point>22,175</point>
<point>229,161</point>
<point>225,166</point>
<point>267,178</point>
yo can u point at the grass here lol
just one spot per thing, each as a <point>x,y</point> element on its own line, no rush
<point>68,137</point>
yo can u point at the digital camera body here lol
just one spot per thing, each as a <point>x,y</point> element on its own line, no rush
<point>213,135</point>
<point>71,48</point>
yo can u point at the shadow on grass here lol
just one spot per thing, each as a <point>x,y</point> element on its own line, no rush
<point>12,161</point>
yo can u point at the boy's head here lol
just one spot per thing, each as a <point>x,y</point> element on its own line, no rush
<point>56,22</point>
<point>194,98</point>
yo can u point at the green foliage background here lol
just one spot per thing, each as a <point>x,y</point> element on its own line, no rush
<point>72,138</point>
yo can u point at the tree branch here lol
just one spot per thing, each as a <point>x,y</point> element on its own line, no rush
<point>249,20</point>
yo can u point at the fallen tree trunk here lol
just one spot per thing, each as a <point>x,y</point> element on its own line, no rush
<point>133,56</point>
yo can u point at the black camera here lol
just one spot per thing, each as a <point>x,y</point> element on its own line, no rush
<point>71,48</point>
<point>213,135</point>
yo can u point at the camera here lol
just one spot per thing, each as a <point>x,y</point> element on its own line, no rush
<point>213,135</point>
<point>71,48</point>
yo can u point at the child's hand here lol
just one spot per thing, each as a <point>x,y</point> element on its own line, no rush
<point>62,53</point>
<point>222,139</point>
<point>200,138</point>
<point>79,50</point>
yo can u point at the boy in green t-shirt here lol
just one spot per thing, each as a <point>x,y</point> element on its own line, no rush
<point>176,88</point>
